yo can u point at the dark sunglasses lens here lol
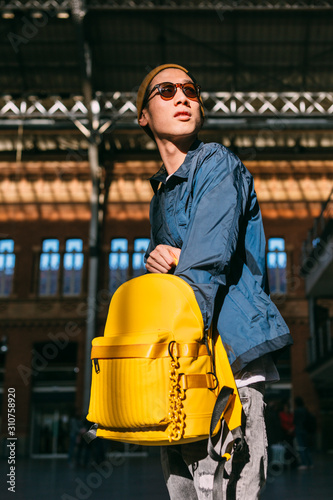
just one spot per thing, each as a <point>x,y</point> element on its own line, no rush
<point>167,91</point>
<point>190,91</point>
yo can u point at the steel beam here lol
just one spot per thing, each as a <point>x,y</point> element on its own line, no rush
<point>94,251</point>
<point>78,12</point>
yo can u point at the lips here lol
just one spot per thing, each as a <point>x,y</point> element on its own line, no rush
<point>184,114</point>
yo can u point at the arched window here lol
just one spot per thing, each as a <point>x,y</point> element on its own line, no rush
<point>7,266</point>
<point>73,266</point>
<point>118,263</point>
<point>277,265</point>
<point>49,265</point>
<point>138,263</point>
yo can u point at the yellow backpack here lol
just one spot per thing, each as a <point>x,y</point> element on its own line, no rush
<point>156,377</point>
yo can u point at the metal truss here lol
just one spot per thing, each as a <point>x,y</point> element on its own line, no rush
<point>46,5</point>
<point>226,5</point>
<point>119,108</point>
<point>269,103</point>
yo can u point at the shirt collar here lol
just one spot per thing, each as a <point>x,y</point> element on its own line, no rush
<point>181,172</point>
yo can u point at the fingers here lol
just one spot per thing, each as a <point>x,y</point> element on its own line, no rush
<point>154,267</point>
<point>162,259</point>
<point>176,254</point>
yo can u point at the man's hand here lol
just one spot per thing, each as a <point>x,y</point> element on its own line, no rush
<point>162,259</point>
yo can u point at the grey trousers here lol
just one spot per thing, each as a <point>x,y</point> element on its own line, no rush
<point>189,471</point>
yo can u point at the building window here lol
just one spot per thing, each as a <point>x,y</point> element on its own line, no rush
<point>3,353</point>
<point>7,265</point>
<point>118,263</point>
<point>73,267</point>
<point>277,265</point>
<point>60,366</point>
<point>138,263</point>
<point>54,378</point>
<point>49,265</point>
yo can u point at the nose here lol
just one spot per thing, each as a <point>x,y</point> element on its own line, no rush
<point>180,97</point>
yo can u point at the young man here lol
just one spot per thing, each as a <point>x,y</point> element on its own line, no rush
<point>206,228</point>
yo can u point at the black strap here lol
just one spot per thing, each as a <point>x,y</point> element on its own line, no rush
<point>91,434</point>
<point>220,473</point>
<point>217,493</point>
<point>220,406</point>
<point>236,444</point>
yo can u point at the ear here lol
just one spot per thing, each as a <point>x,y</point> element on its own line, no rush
<point>143,120</point>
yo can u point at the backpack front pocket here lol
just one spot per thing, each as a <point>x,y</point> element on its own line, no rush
<point>130,393</point>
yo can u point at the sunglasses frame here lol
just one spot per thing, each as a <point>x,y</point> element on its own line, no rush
<point>175,87</point>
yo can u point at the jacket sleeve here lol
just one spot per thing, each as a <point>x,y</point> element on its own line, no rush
<point>219,201</point>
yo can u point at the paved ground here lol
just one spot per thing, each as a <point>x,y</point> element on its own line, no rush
<point>135,478</point>
<point>309,484</point>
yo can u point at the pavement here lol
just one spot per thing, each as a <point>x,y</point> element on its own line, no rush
<point>140,478</point>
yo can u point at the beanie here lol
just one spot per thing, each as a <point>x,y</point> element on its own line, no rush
<point>146,82</point>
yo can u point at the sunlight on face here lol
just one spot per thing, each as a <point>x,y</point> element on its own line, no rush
<point>176,117</point>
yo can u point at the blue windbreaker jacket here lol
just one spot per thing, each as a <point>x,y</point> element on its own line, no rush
<point>209,209</point>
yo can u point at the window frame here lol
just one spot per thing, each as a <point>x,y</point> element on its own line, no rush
<point>282,288</point>
<point>5,255</point>
<point>72,253</point>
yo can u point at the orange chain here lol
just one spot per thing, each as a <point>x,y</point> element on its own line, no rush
<point>176,409</point>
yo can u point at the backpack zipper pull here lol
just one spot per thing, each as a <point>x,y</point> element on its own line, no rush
<point>96,363</point>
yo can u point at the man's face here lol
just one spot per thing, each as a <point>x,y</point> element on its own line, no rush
<point>176,118</point>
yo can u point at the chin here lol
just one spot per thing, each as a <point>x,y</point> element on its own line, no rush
<point>186,128</point>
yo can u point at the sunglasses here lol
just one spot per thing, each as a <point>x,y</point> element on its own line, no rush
<point>167,90</point>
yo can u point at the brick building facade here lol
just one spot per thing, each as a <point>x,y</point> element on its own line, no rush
<point>43,334</point>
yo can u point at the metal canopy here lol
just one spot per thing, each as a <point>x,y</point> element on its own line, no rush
<point>267,50</point>
<point>257,61</point>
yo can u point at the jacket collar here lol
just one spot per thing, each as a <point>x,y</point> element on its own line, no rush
<point>182,172</point>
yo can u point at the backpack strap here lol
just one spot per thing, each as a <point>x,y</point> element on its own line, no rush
<point>91,434</point>
<point>234,446</point>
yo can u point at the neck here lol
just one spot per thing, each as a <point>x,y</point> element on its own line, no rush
<point>172,153</point>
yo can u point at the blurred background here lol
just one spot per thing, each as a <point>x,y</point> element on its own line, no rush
<point>74,188</point>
